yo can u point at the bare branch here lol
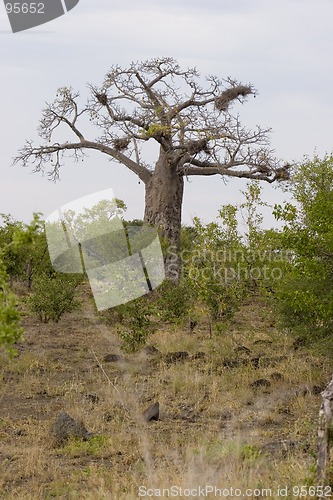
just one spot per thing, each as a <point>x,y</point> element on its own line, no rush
<point>255,171</point>
<point>43,155</point>
<point>157,101</point>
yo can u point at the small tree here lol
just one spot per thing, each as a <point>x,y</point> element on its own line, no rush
<point>216,268</point>
<point>157,101</point>
<point>10,330</point>
<point>306,291</point>
<point>13,238</point>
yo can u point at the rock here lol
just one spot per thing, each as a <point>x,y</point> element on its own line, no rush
<point>173,357</point>
<point>65,427</point>
<point>113,358</point>
<point>151,350</point>
<point>152,413</point>
<point>261,382</point>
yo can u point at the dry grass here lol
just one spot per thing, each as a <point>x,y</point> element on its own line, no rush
<point>212,428</point>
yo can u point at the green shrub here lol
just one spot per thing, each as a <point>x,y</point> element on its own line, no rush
<point>24,248</point>
<point>136,323</point>
<point>215,268</point>
<point>10,330</point>
<point>305,295</point>
<point>53,295</point>
<point>13,236</point>
<point>173,301</point>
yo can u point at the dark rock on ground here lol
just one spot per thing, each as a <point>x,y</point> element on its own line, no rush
<point>113,358</point>
<point>65,427</point>
<point>152,413</point>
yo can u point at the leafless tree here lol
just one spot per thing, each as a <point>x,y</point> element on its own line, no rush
<point>157,101</point>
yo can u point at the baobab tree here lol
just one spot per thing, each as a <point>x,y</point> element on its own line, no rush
<point>157,101</point>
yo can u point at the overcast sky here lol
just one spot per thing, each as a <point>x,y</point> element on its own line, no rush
<point>283,48</point>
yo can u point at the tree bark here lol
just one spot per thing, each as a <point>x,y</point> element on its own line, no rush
<point>325,435</point>
<point>163,209</point>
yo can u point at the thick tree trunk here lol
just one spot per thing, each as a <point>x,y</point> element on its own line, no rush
<point>163,210</point>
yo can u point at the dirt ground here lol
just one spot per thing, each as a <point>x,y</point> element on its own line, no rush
<point>240,409</point>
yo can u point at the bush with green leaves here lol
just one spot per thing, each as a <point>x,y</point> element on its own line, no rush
<point>173,301</point>
<point>305,295</point>
<point>225,265</point>
<point>10,329</point>
<point>13,238</point>
<point>54,295</point>
<point>24,246</point>
<point>215,268</point>
<point>136,323</point>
